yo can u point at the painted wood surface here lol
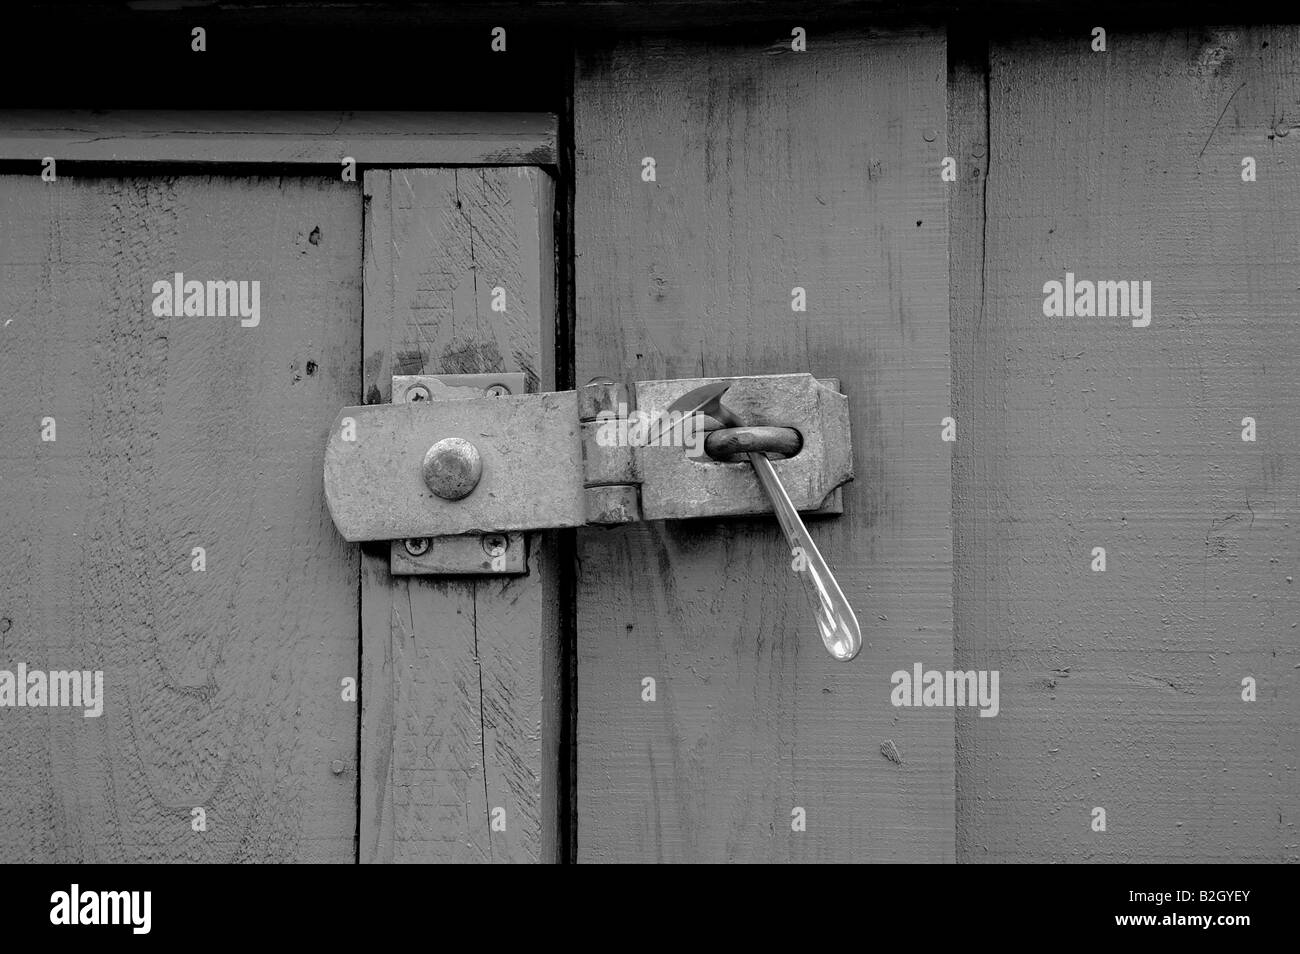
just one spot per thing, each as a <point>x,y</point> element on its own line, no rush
<point>216,136</point>
<point>460,723</point>
<point>222,688</point>
<point>1123,689</point>
<point>773,170</point>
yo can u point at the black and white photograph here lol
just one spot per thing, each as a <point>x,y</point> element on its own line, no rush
<point>688,432</point>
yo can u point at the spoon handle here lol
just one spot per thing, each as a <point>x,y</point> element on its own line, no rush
<point>835,620</point>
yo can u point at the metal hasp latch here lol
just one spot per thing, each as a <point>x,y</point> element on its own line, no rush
<point>459,466</point>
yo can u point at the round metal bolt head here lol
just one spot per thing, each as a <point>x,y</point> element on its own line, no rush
<point>417,392</point>
<point>337,766</point>
<point>495,545</point>
<point>417,546</point>
<point>452,468</point>
<point>498,390</point>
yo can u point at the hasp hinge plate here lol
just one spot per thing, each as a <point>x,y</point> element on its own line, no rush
<point>561,459</point>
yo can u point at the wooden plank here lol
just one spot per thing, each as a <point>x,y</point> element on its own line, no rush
<point>461,678</point>
<point>222,688</point>
<point>223,137</point>
<point>817,170</point>
<point>1123,689</point>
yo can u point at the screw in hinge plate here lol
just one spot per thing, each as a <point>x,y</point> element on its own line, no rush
<point>417,546</point>
<point>417,392</point>
<point>497,390</point>
<point>495,545</point>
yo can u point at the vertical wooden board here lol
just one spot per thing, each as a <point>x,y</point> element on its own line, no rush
<point>461,678</point>
<point>221,687</point>
<point>773,170</point>
<point>1123,689</point>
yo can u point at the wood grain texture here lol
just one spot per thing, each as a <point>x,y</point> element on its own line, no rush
<point>217,136</point>
<point>461,678</point>
<point>222,687</point>
<point>1123,689</point>
<point>774,170</point>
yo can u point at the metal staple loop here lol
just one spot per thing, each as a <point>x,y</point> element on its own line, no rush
<point>730,444</point>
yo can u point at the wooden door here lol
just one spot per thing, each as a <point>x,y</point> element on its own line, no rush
<point>773,172</point>
<point>164,521</point>
<point>270,692</point>
<point>423,719</point>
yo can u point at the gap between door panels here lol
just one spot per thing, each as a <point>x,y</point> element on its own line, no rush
<point>566,540</point>
<point>969,143</point>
